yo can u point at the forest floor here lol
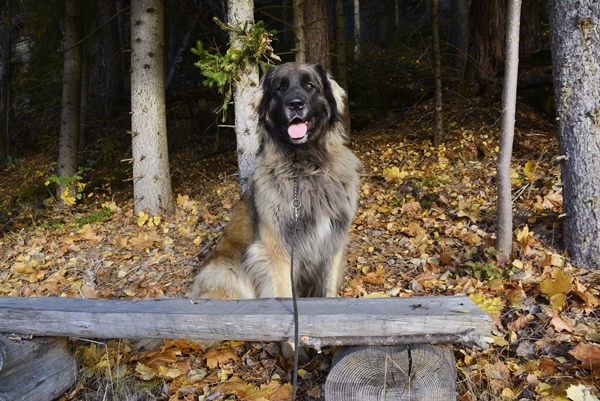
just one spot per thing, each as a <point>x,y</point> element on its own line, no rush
<point>425,226</point>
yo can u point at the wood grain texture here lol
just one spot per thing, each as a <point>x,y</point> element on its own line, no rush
<point>40,369</point>
<point>252,320</point>
<point>400,373</point>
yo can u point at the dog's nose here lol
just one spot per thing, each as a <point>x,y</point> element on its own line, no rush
<point>295,103</point>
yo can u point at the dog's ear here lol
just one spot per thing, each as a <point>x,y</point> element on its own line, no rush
<point>334,94</point>
<point>263,95</point>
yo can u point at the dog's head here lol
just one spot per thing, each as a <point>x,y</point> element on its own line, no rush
<point>298,102</point>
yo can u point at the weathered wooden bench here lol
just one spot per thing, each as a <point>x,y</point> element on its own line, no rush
<point>395,348</point>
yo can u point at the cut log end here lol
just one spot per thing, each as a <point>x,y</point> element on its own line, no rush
<point>400,373</point>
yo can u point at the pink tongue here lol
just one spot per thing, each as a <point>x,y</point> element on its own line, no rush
<point>297,130</point>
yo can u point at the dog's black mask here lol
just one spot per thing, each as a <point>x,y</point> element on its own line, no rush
<point>297,102</point>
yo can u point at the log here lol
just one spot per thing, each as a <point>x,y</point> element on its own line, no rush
<point>401,373</point>
<point>322,321</point>
<point>39,369</point>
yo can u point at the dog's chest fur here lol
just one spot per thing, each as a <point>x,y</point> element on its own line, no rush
<point>326,195</point>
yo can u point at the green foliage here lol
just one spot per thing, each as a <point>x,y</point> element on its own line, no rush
<point>68,182</point>
<point>486,268</point>
<point>223,70</point>
<point>102,215</point>
<point>12,161</point>
<point>53,224</point>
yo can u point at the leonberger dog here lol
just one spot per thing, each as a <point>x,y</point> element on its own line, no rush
<point>303,162</point>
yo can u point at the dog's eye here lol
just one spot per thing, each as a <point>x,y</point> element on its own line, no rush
<point>280,88</point>
<point>309,86</point>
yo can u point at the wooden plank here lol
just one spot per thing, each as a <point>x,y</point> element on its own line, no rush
<point>253,320</point>
<point>38,369</point>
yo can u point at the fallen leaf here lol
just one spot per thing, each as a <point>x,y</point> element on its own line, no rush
<point>580,393</point>
<point>557,288</point>
<point>218,357</point>
<point>589,355</point>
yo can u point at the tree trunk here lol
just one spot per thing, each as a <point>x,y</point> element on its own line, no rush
<point>356,29</point>
<point>300,48</point>
<point>71,96</point>
<point>416,372</point>
<point>111,59</point>
<point>459,32</point>
<point>6,98</point>
<point>151,179</point>
<point>507,127</point>
<point>85,60</point>
<point>244,93</point>
<point>487,50</point>
<point>438,131</point>
<point>340,46</point>
<point>575,40</point>
<point>342,65</point>
<point>316,32</point>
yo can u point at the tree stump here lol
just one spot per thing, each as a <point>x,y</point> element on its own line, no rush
<point>40,369</point>
<point>396,373</point>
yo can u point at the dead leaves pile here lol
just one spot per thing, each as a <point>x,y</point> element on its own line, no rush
<point>424,226</point>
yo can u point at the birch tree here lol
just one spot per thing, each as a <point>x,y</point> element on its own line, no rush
<point>575,41</point>
<point>151,178</point>
<point>356,4</point>
<point>300,48</point>
<point>70,110</point>
<point>507,131</point>
<point>438,131</point>
<point>242,12</point>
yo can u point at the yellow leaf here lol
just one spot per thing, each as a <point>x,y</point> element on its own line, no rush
<point>392,173</point>
<point>529,167</point>
<point>580,393</point>
<point>143,218</point>
<point>144,372</point>
<point>557,288</point>
<point>488,305</point>
<point>67,198</point>
<point>170,373</point>
<point>110,205</point>
<point>522,234</point>
<point>508,394</point>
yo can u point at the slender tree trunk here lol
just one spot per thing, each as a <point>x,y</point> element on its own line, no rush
<point>6,99</point>
<point>575,40</point>
<point>356,29</point>
<point>151,178</point>
<point>507,131</point>
<point>316,32</point>
<point>84,98</point>
<point>71,96</point>
<point>438,131</point>
<point>342,65</point>
<point>459,32</point>
<point>300,48</point>
<point>244,92</point>
<point>340,45</point>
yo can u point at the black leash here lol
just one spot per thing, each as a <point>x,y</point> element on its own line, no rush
<point>296,206</point>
